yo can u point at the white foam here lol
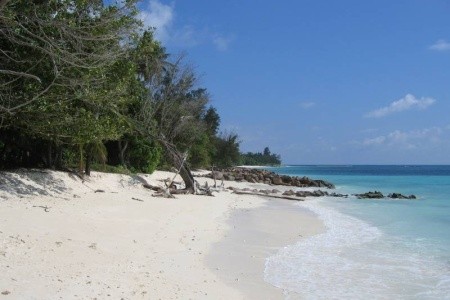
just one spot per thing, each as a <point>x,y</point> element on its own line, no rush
<point>353,260</point>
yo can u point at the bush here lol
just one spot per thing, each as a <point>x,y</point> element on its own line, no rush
<point>144,156</point>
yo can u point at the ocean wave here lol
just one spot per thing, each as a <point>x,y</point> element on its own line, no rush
<point>354,260</point>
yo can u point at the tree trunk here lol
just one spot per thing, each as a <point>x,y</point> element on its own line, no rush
<point>50,156</point>
<point>81,159</point>
<point>87,169</point>
<point>58,157</point>
<point>122,149</point>
<point>178,162</point>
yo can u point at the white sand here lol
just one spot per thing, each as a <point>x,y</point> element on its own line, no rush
<point>59,239</point>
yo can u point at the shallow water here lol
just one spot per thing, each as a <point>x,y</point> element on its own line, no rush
<point>382,249</point>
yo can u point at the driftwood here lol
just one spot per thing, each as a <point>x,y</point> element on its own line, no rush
<point>137,199</point>
<point>179,161</point>
<point>152,187</point>
<point>204,190</point>
<point>267,195</point>
<point>46,208</point>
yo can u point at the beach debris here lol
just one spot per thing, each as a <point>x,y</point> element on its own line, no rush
<point>6,292</point>
<point>137,199</point>
<point>46,208</point>
<point>170,189</point>
<point>99,191</point>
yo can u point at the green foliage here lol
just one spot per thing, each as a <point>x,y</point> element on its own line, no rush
<point>212,120</point>
<point>227,150</point>
<point>144,156</point>
<point>261,159</point>
<point>201,152</point>
<point>83,83</point>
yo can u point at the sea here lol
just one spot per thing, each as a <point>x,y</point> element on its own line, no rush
<point>371,249</point>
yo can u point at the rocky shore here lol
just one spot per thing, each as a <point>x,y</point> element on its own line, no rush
<point>267,177</point>
<point>379,195</point>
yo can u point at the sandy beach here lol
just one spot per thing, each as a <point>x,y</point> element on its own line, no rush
<point>107,237</point>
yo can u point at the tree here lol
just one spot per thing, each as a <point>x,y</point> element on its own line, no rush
<point>212,120</point>
<point>45,45</point>
<point>258,158</point>
<point>64,71</point>
<point>171,115</point>
<point>227,150</point>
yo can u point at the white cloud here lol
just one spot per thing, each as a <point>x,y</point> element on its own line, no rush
<point>406,139</point>
<point>162,17</point>
<point>306,105</point>
<point>440,45</point>
<point>221,42</point>
<point>406,103</point>
<point>374,141</point>
<point>159,16</point>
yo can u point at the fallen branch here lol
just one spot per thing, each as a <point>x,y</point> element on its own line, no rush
<point>269,196</point>
<point>46,208</point>
<point>205,190</point>
<point>152,187</point>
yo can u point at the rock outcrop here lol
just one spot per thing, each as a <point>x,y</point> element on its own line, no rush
<point>379,195</point>
<point>370,195</point>
<point>400,196</point>
<point>267,177</point>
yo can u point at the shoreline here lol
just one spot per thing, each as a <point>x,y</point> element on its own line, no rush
<point>239,258</point>
<point>108,236</point>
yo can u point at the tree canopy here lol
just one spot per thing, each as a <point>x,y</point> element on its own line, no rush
<point>266,158</point>
<point>84,84</point>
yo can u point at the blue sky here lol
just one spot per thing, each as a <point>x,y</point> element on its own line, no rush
<point>321,82</point>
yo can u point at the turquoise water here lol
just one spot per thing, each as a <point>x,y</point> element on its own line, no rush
<point>378,249</point>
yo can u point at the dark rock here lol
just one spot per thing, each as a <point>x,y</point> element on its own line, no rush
<point>267,177</point>
<point>289,193</point>
<point>370,195</point>
<point>338,195</point>
<point>277,180</point>
<point>317,193</point>
<point>250,179</point>
<point>400,196</point>
<point>286,179</point>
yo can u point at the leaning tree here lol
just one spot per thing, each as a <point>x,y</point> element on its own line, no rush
<point>171,113</point>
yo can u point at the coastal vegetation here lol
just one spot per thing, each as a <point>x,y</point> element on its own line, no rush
<point>266,158</point>
<point>85,85</point>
